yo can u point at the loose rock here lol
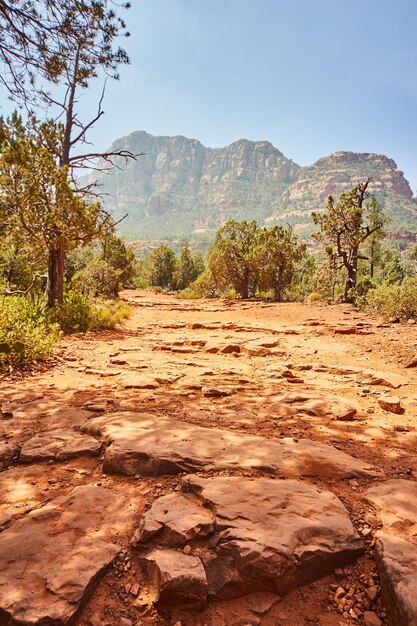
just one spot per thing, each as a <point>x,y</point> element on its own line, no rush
<point>175,578</point>
<point>390,403</point>
<point>270,534</point>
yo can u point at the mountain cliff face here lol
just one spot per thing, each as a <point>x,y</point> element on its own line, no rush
<point>181,189</point>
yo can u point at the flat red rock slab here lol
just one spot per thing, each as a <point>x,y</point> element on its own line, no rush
<point>152,445</point>
<point>51,558</point>
<point>59,445</point>
<point>396,547</point>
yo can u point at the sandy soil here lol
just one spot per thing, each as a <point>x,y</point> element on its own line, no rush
<point>332,349</point>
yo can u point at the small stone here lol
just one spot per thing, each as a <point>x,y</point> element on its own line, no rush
<point>52,481</point>
<point>372,593</point>
<point>95,408</point>
<point>187,549</point>
<point>371,519</point>
<point>390,403</point>
<point>134,590</point>
<point>371,619</point>
<point>125,622</point>
<point>340,592</point>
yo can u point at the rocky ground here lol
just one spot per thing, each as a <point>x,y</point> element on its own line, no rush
<point>214,463</point>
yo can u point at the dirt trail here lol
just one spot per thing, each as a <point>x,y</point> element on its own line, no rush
<point>247,367</point>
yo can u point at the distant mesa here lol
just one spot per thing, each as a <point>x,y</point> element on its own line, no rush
<point>181,189</point>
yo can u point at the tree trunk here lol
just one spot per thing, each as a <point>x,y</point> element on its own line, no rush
<point>55,284</point>
<point>372,263</point>
<point>278,285</point>
<point>244,291</point>
<point>351,276</point>
<point>243,287</point>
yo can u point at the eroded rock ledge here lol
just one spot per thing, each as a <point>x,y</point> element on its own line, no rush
<point>152,445</point>
<point>225,537</point>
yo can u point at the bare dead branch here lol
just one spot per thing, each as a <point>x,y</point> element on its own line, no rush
<point>21,292</point>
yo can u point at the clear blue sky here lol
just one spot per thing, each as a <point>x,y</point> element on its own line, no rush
<point>311,76</point>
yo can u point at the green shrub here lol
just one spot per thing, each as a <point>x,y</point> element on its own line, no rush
<point>78,315</point>
<point>203,287</point>
<point>399,301</point>
<point>25,337</point>
<point>98,278</point>
<point>73,315</point>
<point>107,314</point>
<point>314,297</point>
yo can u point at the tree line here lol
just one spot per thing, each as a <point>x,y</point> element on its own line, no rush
<point>50,53</point>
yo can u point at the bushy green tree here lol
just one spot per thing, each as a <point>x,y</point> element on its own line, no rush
<point>344,226</point>
<point>186,271</point>
<point>38,204</point>
<point>119,256</point>
<point>159,267</point>
<point>229,257</point>
<point>272,259</point>
<point>98,278</point>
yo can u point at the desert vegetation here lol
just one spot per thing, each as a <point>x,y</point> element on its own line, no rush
<point>61,262</point>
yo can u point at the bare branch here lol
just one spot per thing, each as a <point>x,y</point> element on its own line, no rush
<point>20,292</point>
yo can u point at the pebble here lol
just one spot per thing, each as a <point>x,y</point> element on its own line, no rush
<point>125,622</point>
<point>372,593</point>
<point>187,549</point>
<point>134,590</point>
<point>371,619</point>
<point>96,408</point>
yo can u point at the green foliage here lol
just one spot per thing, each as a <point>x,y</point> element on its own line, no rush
<point>119,257</point>
<point>79,258</point>
<point>304,279</point>
<point>102,269</point>
<point>229,257</point>
<point>345,226</point>
<point>78,315</point>
<point>40,38</point>
<point>204,286</point>
<point>98,278</point>
<point>272,259</point>
<point>410,260</point>
<point>159,267</point>
<point>246,260</point>
<point>186,270</point>
<point>38,205</point>
<point>105,315</point>
<point>394,301</point>
<point>24,335</point>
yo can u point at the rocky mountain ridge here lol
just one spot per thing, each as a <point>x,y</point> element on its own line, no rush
<point>179,188</point>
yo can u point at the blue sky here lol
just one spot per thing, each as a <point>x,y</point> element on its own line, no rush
<point>311,76</point>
